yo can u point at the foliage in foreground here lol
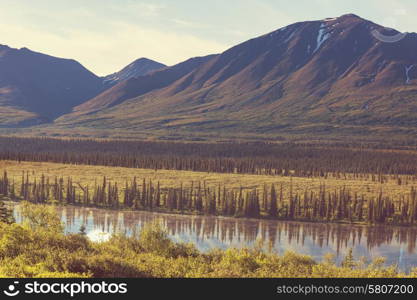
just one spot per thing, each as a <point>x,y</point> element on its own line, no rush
<point>39,248</point>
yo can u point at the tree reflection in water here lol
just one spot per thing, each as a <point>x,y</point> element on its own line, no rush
<point>315,239</point>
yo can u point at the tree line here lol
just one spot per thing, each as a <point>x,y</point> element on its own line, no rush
<point>306,160</point>
<point>341,205</point>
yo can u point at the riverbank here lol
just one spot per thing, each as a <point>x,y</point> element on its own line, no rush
<point>39,248</point>
<point>368,242</point>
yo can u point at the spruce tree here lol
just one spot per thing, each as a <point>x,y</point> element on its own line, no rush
<point>273,205</point>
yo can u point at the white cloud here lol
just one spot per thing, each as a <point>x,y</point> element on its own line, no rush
<point>188,24</point>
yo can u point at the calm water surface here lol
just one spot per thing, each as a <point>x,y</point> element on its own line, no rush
<point>397,244</point>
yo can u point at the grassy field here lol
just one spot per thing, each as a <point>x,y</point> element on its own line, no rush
<point>87,175</point>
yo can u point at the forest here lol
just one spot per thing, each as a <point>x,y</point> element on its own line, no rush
<point>298,159</point>
<point>327,204</point>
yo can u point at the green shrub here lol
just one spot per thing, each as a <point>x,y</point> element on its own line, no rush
<point>40,217</point>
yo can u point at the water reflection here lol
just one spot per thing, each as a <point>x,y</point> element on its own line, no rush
<point>396,243</point>
<point>98,236</point>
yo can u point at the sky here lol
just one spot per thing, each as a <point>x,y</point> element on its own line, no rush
<point>106,35</point>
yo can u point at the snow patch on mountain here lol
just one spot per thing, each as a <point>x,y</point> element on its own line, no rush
<point>407,73</point>
<point>137,68</point>
<point>322,36</point>
<point>290,36</point>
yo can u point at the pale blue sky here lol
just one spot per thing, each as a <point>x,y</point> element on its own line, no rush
<point>106,35</point>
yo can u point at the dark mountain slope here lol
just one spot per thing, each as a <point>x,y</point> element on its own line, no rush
<point>141,85</point>
<point>38,87</point>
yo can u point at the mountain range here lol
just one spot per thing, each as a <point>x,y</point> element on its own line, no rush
<point>314,77</point>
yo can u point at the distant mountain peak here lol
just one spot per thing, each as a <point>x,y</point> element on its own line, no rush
<point>139,67</point>
<point>144,59</point>
<point>344,17</point>
<point>343,20</point>
<point>350,16</point>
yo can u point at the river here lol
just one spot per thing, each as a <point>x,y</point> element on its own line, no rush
<point>397,244</point>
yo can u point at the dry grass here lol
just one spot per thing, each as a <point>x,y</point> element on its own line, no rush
<point>170,178</point>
